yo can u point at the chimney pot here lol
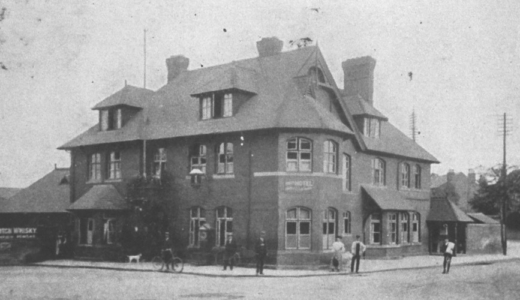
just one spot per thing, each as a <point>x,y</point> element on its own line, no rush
<point>359,77</point>
<point>176,65</point>
<point>269,46</point>
<point>450,175</point>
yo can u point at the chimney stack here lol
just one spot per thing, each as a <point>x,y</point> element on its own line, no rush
<point>450,176</point>
<point>359,77</point>
<point>269,46</point>
<point>176,65</point>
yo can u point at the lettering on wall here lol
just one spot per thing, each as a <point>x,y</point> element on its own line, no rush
<point>298,185</point>
<point>17,233</point>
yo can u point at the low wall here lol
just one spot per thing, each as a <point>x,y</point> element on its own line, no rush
<point>483,238</point>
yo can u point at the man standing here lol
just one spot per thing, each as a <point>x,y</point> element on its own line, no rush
<point>357,249</point>
<point>448,249</point>
<point>338,248</point>
<point>229,253</point>
<point>261,253</point>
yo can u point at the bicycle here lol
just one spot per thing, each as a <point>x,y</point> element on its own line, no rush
<point>177,265</point>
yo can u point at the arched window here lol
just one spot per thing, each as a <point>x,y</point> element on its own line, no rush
<point>197,219</point>
<point>347,172</point>
<point>224,226</point>
<point>317,73</point>
<point>225,158</point>
<point>347,227</point>
<point>378,171</point>
<point>299,155</point>
<point>416,227</point>
<point>298,228</point>
<point>405,175</point>
<point>330,224</point>
<point>330,157</point>
<point>417,176</point>
<point>198,158</point>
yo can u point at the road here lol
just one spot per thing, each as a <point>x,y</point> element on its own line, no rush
<point>499,280</point>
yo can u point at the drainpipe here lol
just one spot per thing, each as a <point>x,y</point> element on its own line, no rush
<point>249,196</point>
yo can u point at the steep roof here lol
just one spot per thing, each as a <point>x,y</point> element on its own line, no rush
<point>482,218</point>
<point>47,195</point>
<point>393,141</point>
<point>387,199</point>
<point>359,107</point>
<point>100,197</point>
<point>173,111</point>
<point>128,95</point>
<point>443,210</point>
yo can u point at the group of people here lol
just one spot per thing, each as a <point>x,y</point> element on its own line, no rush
<point>230,252</point>
<point>357,249</point>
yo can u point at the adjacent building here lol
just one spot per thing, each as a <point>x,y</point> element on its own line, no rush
<point>262,144</point>
<point>460,187</point>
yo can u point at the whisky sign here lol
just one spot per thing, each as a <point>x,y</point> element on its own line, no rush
<point>17,233</point>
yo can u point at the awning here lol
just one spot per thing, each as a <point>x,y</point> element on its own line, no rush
<point>388,199</point>
<point>443,210</point>
<point>100,197</point>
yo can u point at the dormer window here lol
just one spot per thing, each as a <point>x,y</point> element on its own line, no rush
<point>216,105</point>
<point>317,73</point>
<point>111,119</point>
<point>372,127</point>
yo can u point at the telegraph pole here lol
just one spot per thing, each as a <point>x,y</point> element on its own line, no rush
<point>504,130</point>
<point>413,127</point>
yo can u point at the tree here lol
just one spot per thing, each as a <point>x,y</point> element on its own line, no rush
<point>493,189</point>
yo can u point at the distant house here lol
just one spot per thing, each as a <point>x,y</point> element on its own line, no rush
<point>39,211</point>
<point>460,187</point>
<point>268,144</point>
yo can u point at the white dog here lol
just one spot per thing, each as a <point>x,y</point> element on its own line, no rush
<point>137,258</point>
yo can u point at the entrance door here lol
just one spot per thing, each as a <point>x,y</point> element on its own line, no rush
<point>329,228</point>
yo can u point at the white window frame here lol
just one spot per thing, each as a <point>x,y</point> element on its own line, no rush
<point>404,228</point>
<point>299,163</point>
<point>119,118</point>
<point>198,158</point>
<point>302,240</point>
<point>405,175</point>
<point>347,172</point>
<point>160,160</point>
<point>224,222</point>
<point>329,227</point>
<point>347,223</point>
<point>95,167</point>
<point>330,157</point>
<point>378,171</point>
<point>416,227</point>
<point>103,116</point>
<point>392,228</point>
<point>375,219</point>
<point>372,127</point>
<point>227,110</point>
<point>109,231</point>
<point>225,154</point>
<point>197,219</point>
<point>88,234</point>
<point>207,108</point>
<point>114,165</point>
<point>417,177</point>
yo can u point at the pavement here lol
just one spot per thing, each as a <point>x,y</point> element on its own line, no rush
<point>366,265</point>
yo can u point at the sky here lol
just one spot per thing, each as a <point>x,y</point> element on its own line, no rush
<point>59,58</point>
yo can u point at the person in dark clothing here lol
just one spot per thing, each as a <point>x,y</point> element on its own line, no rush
<point>357,249</point>
<point>167,252</point>
<point>261,253</point>
<point>229,253</point>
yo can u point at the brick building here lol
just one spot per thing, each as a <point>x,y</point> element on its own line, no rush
<point>279,148</point>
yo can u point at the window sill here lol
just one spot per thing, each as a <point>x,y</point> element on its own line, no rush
<point>223,176</point>
<point>94,182</point>
<point>393,245</point>
<point>113,180</point>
